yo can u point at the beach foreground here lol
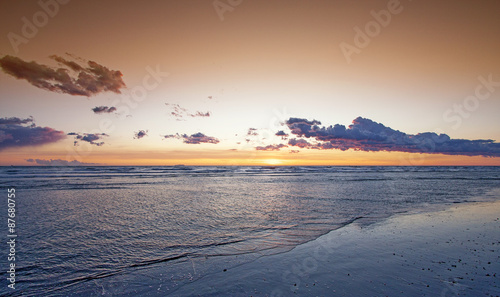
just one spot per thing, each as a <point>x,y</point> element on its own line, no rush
<point>455,252</point>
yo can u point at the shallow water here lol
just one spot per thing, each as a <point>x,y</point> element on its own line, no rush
<point>78,226</point>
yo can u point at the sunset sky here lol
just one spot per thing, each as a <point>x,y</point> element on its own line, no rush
<point>212,82</point>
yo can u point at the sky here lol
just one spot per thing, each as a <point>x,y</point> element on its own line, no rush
<point>249,82</point>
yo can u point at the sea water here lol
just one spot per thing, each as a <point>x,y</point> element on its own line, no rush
<point>124,231</point>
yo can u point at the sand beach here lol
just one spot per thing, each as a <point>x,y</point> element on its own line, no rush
<point>452,252</point>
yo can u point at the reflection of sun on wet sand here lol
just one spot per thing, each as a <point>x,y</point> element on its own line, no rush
<point>445,253</point>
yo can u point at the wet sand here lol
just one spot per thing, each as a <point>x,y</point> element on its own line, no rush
<point>455,252</point>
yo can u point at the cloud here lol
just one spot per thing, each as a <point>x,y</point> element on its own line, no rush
<point>16,132</point>
<point>271,147</point>
<point>103,109</point>
<point>201,114</point>
<point>196,138</point>
<point>252,132</point>
<point>4,136</point>
<point>91,138</point>
<point>140,134</point>
<point>180,112</point>
<point>59,162</point>
<point>71,78</point>
<point>294,151</point>
<point>15,121</point>
<point>73,65</point>
<point>297,126</point>
<point>366,135</point>
<point>302,143</point>
<point>282,134</point>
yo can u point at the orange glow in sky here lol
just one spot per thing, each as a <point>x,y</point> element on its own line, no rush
<point>174,82</point>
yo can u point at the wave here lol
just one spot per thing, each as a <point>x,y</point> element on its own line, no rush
<point>202,245</point>
<point>86,171</point>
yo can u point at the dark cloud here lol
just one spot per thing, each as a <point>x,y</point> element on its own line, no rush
<point>59,162</point>
<point>71,78</point>
<point>294,151</point>
<point>297,125</point>
<point>302,143</point>
<point>73,65</point>
<point>196,138</point>
<point>15,121</point>
<point>103,109</point>
<point>16,132</point>
<point>140,134</point>
<point>180,112</point>
<point>271,147</point>
<point>367,135</point>
<point>91,138</point>
<point>282,134</point>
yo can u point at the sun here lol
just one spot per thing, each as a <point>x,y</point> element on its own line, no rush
<point>273,161</point>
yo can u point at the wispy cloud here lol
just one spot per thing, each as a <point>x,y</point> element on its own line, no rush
<point>103,109</point>
<point>91,138</point>
<point>196,138</point>
<point>59,162</point>
<point>252,132</point>
<point>71,78</point>
<point>16,132</point>
<point>271,147</point>
<point>367,135</point>
<point>140,134</point>
<point>180,112</point>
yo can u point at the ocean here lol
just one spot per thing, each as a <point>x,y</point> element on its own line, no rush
<point>125,231</point>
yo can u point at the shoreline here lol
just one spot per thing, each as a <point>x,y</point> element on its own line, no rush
<point>338,263</point>
<point>438,253</point>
